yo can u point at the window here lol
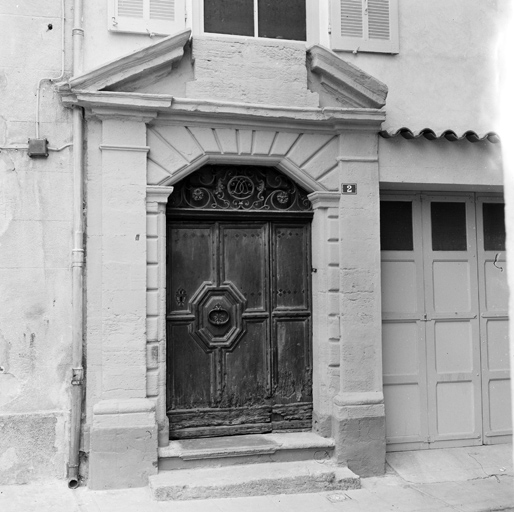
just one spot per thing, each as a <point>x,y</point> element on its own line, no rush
<point>365,25</point>
<point>494,226</point>
<point>284,19</point>
<point>396,226</point>
<point>448,226</point>
<point>147,16</point>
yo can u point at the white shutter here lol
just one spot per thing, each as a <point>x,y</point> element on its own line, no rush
<point>160,17</point>
<point>364,25</point>
<point>352,18</point>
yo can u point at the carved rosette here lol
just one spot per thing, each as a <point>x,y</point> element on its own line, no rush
<point>226,187</point>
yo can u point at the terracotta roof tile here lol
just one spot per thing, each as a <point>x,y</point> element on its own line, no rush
<point>450,135</point>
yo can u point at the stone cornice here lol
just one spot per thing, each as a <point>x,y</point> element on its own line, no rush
<point>168,109</point>
<point>322,199</point>
<point>158,194</point>
<point>343,79</point>
<point>116,100</point>
<point>130,67</point>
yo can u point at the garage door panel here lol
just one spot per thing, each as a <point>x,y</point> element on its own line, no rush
<point>500,406</point>
<point>494,322</point>
<point>453,347</point>
<point>497,344</point>
<point>399,285</point>
<point>403,412</point>
<point>400,341</point>
<point>455,408</point>
<point>445,324</point>
<point>496,285</point>
<point>451,282</point>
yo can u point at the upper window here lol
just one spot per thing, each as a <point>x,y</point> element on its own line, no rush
<point>355,25</point>
<point>284,19</point>
<point>365,25</point>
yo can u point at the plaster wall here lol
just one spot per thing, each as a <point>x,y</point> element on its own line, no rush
<point>423,164</point>
<point>35,246</point>
<point>446,73</point>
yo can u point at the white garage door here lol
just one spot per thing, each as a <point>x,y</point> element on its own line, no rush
<point>445,324</point>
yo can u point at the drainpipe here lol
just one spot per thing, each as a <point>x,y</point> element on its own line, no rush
<point>77,379</point>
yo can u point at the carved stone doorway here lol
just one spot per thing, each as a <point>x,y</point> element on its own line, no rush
<point>239,349</point>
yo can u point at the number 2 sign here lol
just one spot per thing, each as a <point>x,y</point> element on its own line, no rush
<point>349,188</point>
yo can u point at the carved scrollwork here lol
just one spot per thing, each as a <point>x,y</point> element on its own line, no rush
<point>226,187</point>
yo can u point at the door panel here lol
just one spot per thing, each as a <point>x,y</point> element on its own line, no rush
<point>293,361</point>
<point>292,367</point>
<point>494,323</point>
<point>247,382</point>
<point>241,244</point>
<point>291,269</point>
<point>403,327</point>
<point>452,330</point>
<point>191,251</point>
<point>239,329</point>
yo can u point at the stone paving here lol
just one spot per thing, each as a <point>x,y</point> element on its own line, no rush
<point>472,479</point>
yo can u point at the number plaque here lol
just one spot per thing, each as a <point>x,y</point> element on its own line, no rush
<point>349,188</point>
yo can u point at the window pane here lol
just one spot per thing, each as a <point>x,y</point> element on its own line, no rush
<point>396,226</point>
<point>228,17</point>
<point>448,226</point>
<point>284,19</point>
<point>494,226</point>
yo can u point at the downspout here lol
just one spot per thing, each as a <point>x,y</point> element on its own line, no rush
<point>77,262</point>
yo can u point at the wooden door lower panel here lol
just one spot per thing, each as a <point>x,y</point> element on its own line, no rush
<point>192,423</point>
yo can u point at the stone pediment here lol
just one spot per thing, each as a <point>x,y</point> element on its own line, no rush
<point>342,84</point>
<point>173,67</point>
<point>135,70</point>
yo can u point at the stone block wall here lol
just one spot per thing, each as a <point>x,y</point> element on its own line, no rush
<point>264,72</point>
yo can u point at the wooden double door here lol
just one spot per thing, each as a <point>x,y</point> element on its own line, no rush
<point>238,326</point>
<point>445,320</point>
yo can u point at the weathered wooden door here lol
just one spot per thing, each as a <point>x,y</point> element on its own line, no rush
<point>239,314</point>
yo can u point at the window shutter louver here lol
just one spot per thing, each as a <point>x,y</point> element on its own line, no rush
<point>365,25</point>
<point>351,18</point>
<point>130,8</point>
<point>160,17</point>
<point>378,19</point>
<point>162,10</point>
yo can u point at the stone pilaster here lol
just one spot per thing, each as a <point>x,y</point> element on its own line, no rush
<point>325,306</point>
<point>358,409</point>
<point>156,201</point>
<point>123,439</point>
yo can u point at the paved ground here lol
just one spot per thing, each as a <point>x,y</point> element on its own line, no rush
<point>458,479</point>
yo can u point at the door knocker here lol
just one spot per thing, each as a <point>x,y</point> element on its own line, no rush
<point>218,315</point>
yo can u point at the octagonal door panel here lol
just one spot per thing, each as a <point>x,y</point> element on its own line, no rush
<point>238,327</point>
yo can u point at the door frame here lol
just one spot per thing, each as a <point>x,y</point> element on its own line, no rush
<point>325,204</point>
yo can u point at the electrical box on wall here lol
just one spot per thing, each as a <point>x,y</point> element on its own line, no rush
<point>38,148</point>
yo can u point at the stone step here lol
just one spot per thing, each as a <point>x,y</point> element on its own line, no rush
<point>245,449</point>
<point>251,480</point>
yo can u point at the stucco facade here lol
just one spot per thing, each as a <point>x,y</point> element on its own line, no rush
<point>154,110</point>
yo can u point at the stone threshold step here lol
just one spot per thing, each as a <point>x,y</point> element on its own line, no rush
<point>251,480</point>
<point>244,449</point>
